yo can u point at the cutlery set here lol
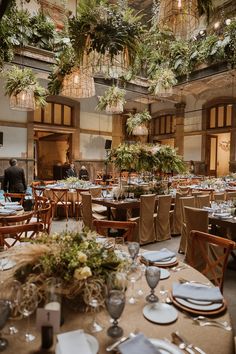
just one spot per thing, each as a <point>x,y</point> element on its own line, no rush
<point>183,344</point>
<point>205,321</point>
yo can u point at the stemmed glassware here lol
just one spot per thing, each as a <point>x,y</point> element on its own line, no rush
<point>152,275</point>
<point>115,303</point>
<point>133,274</point>
<point>4,314</point>
<point>143,270</point>
<point>28,303</point>
<point>94,300</point>
<point>10,292</point>
<point>133,248</point>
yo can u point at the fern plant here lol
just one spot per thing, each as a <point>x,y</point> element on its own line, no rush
<point>18,80</point>
<point>112,97</point>
<point>137,119</point>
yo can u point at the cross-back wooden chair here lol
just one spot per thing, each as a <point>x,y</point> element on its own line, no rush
<point>16,219</point>
<point>214,251</point>
<point>45,216</point>
<point>103,228</point>
<point>37,191</point>
<point>60,197</point>
<point>40,202</point>
<point>10,197</point>
<point>18,233</point>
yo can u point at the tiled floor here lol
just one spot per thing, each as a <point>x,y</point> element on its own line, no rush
<point>173,244</point>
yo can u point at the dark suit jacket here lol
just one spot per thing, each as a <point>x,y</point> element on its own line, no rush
<point>14,180</point>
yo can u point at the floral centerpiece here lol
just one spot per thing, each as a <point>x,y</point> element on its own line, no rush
<point>75,182</point>
<point>78,259</point>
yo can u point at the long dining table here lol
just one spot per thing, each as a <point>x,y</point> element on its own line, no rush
<point>210,339</point>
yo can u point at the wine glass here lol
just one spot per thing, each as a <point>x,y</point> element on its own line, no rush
<point>10,292</point>
<point>143,270</point>
<point>4,314</point>
<point>115,303</point>
<point>152,275</point>
<point>94,299</point>
<point>28,303</point>
<point>133,248</point>
<point>133,274</point>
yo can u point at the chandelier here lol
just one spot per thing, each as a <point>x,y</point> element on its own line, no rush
<point>79,84</point>
<point>181,16</point>
<point>23,101</point>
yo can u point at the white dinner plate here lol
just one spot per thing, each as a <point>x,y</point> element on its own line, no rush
<point>92,341</point>
<point>200,306</point>
<point>167,261</point>
<point>161,313</point>
<point>164,274</point>
<point>7,263</point>
<point>165,347</point>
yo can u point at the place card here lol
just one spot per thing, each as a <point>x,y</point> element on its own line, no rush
<point>49,317</point>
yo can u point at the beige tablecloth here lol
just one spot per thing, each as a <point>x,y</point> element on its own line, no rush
<point>211,339</point>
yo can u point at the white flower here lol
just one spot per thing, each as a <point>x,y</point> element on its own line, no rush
<point>82,273</point>
<point>82,257</point>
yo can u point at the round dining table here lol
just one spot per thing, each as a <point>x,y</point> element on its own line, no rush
<point>210,339</point>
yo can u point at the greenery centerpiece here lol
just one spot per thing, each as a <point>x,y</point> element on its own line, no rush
<point>136,120</point>
<point>77,258</point>
<point>112,101</point>
<point>22,87</point>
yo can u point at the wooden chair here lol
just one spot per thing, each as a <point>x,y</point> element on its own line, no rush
<point>103,227</point>
<point>60,197</point>
<point>215,263</point>
<point>230,195</point>
<point>86,211</point>
<point>189,202</point>
<point>40,202</point>
<point>11,197</point>
<point>196,219</point>
<point>45,216</point>
<point>97,193</point>
<point>219,197</point>
<point>145,230</point>
<point>18,233</point>
<point>162,218</point>
<point>202,201</point>
<point>24,218</point>
<point>175,216</point>
<point>45,183</point>
<point>37,191</point>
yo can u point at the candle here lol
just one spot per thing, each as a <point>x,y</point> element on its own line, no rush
<point>54,306</point>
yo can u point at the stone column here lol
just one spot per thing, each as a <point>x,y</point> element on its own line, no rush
<point>179,131</point>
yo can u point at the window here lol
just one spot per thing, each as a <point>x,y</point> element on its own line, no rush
<point>54,113</point>
<point>219,116</point>
<point>164,124</point>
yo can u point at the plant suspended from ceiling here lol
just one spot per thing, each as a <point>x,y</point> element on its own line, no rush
<point>137,119</point>
<point>113,97</point>
<point>18,80</point>
<point>163,81</point>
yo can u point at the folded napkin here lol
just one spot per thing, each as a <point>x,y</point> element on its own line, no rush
<point>7,212</point>
<point>197,292</point>
<point>14,207</point>
<point>73,342</point>
<point>9,203</point>
<point>138,345</point>
<point>159,256</point>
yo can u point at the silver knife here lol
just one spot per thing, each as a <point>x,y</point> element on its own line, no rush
<point>189,345</point>
<point>118,342</point>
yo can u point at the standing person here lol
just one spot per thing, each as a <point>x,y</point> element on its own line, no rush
<point>14,178</point>
<point>83,173</point>
<point>71,172</point>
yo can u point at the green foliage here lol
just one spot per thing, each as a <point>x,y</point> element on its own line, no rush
<point>163,79</point>
<point>105,29</point>
<point>146,157</point>
<point>18,80</point>
<point>137,119</point>
<point>112,96</point>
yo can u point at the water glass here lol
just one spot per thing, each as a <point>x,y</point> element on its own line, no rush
<point>133,274</point>
<point>152,275</point>
<point>115,303</point>
<point>133,248</point>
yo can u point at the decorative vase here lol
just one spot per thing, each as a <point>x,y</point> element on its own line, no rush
<point>115,108</point>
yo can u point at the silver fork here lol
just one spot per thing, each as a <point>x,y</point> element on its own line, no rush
<point>183,281</point>
<point>203,318</point>
<point>213,324</point>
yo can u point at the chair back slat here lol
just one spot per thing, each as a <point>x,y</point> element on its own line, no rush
<point>9,197</point>
<point>18,233</point>
<point>103,226</point>
<point>214,251</point>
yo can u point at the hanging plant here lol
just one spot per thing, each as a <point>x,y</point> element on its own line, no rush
<point>18,80</point>
<point>137,119</point>
<point>105,29</point>
<point>112,101</point>
<point>162,82</point>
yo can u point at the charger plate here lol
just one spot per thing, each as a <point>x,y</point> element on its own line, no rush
<point>172,262</point>
<point>198,308</point>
